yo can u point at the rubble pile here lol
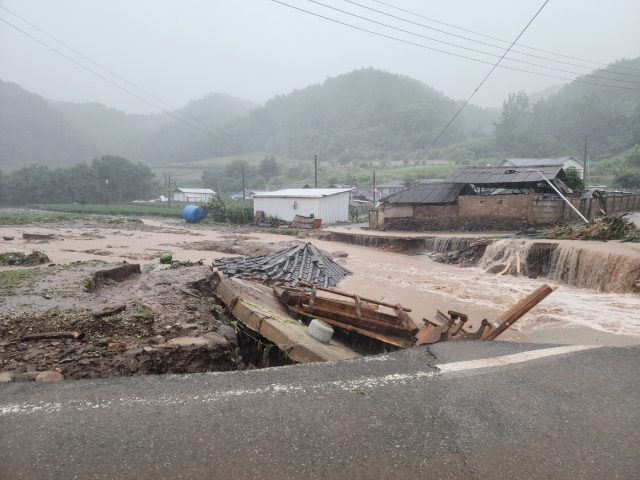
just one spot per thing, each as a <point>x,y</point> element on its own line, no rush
<point>613,227</point>
<point>288,267</point>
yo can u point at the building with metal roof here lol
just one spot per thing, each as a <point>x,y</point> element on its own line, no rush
<point>439,193</point>
<point>192,194</point>
<point>521,178</point>
<point>564,162</point>
<point>329,204</point>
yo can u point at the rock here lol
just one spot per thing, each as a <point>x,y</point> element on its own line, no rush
<point>229,333</point>
<point>103,342</point>
<point>148,349</point>
<point>339,254</point>
<point>187,326</point>
<point>21,377</point>
<point>49,376</point>
<point>217,339</point>
<point>6,377</point>
<point>31,367</point>
<point>134,352</point>
<point>108,310</point>
<point>32,375</point>
<point>154,307</point>
<point>84,361</point>
<point>156,340</point>
<point>118,347</point>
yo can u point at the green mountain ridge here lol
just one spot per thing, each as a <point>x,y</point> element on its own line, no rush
<point>366,116</point>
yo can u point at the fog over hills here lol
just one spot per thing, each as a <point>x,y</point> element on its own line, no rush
<point>366,114</point>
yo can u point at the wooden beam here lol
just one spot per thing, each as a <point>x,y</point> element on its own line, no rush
<point>398,342</point>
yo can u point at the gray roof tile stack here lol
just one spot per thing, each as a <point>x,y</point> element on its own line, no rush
<point>303,263</point>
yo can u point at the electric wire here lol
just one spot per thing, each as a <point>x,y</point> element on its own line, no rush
<point>471,49</point>
<point>449,53</point>
<point>484,43</point>
<point>481,83</point>
<point>121,78</point>
<point>119,86</point>
<point>500,40</point>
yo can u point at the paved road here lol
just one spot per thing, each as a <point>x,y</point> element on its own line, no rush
<point>458,410</point>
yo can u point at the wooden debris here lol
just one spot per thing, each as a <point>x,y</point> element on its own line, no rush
<point>50,335</point>
<point>361,315</point>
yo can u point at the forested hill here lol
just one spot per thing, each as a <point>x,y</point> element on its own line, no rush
<point>32,131</point>
<point>363,115</point>
<point>366,115</point>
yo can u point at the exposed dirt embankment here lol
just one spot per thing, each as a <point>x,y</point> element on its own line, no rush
<point>163,322</point>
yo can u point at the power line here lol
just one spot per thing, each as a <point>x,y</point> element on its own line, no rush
<point>470,49</point>
<point>118,76</point>
<point>449,53</point>
<point>485,43</point>
<point>481,83</point>
<point>500,40</point>
<point>120,87</point>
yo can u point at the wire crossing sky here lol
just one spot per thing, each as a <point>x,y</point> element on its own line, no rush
<point>256,49</point>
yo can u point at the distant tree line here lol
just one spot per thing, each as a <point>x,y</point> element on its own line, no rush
<point>108,179</point>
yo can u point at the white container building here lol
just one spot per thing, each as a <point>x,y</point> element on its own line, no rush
<point>192,195</point>
<point>329,204</point>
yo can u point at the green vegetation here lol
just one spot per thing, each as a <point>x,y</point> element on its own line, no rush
<point>19,259</point>
<point>107,179</point>
<point>25,217</point>
<point>153,209</point>
<point>221,210</point>
<point>574,180</point>
<point>166,258</point>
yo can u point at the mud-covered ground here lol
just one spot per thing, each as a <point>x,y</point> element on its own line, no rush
<point>162,330</point>
<point>46,298</point>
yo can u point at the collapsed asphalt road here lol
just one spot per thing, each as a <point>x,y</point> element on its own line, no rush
<point>475,410</point>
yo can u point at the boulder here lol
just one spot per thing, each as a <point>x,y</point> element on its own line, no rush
<point>229,333</point>
<point>156,340</point>
<point>49,376</point>
<point>218,339</point>
<point>6,377</point>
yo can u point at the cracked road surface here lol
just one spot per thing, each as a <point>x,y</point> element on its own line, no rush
<point>456,410</point>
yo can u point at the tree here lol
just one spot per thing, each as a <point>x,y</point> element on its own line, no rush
<point>574,179</point>
<point>269,168</point>
<point>514,113</point>
<point>626,179</point>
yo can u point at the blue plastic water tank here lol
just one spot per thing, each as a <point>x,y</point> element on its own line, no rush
<point>193,214</point>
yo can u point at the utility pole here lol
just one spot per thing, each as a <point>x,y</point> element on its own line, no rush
<point>315,162</point>
<point>374,187</point>
<point>243,196</point>
<point>169,192</point>
<point>586,161</point>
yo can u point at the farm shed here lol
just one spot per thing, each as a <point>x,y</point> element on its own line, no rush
<point>329,204</point>
<point>192,194</point>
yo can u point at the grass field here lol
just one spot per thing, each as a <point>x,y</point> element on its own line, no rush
<point>148,209</point>
<point>25,217</point>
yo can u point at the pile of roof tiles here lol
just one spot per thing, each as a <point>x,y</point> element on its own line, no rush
<point>302,263</point>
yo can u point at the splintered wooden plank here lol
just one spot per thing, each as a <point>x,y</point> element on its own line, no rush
<point>392,340</point>
<point>342,317</point>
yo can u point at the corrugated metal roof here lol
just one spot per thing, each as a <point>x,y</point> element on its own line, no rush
<point>440,192</point>
<point>302,193</point>
<point>194,190</point>
<point>497,176</point>
<point>522,162</point>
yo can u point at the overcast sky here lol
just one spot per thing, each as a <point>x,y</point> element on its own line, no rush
<point>255,49</point>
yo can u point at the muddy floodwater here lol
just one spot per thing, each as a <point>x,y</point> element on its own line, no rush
<point>569,315</point>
